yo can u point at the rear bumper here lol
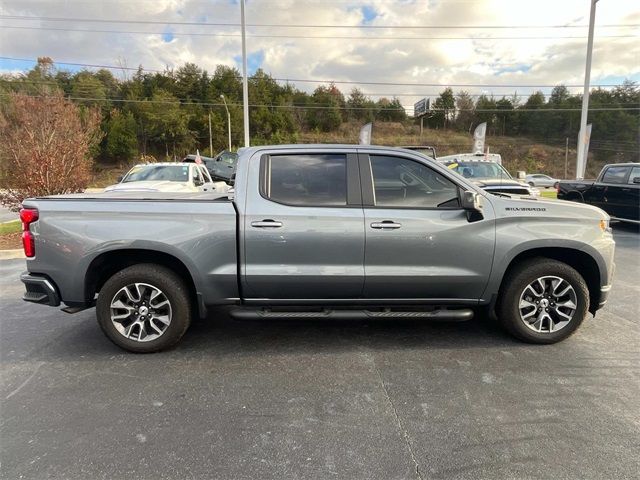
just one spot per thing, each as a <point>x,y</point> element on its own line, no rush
<point>40,289</point>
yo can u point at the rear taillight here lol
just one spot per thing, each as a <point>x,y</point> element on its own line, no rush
<point>28,216</point>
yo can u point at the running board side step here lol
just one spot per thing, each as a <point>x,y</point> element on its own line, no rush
<point>457,315</point>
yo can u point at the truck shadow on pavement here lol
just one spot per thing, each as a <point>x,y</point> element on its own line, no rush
<point>223,333</point>
<point>219,335</point>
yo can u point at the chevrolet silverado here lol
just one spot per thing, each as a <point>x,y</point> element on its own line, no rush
<point>319,231</point>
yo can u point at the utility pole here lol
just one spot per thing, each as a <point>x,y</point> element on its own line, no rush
<point>228,119</point>
<point>245,85</point>
<point>210,137</point>
<point>566,158</point>
<point>582,157</point>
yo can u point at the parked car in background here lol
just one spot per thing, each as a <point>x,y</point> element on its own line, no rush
<point>490,176</point>
<point>424,149</point>
<point>221,167</point>
<point>541,180</point>
<point>168,177</point>
<point>319,231</point>
<point>616,191</point>
<point>472,157</point>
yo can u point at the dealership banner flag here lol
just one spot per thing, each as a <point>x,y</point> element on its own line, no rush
<point>478,138</point>
<point>365,134</point>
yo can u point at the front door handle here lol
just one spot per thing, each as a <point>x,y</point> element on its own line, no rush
<point>267,223</point>
<point>386,224</point>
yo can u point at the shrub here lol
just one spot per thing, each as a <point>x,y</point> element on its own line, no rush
<point>45,145</point>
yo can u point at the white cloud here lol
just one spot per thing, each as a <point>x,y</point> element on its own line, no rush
<point>531,61</point>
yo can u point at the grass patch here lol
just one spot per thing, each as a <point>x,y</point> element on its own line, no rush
<point>549,194</point>
<point>10,227</point>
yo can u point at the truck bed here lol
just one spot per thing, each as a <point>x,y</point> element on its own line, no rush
<point>79,230</point>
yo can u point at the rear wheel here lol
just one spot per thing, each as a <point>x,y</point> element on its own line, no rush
<point>543,301</point>
<point>144,308</point>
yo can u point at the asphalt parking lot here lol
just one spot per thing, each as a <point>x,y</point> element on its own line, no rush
<point>341,399</point>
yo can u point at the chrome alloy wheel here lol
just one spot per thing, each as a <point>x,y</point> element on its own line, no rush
<point>140,312</point>
<point>547,304</point>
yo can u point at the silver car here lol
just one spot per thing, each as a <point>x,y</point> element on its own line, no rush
<point>541,180</point>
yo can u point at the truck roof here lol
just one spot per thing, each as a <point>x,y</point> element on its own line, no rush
<point>626,164</point>
<point>316,146</point>
<point>179,164</point>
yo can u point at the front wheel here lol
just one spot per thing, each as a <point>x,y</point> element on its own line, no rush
<point>144,308</point>
<point>543,301</point>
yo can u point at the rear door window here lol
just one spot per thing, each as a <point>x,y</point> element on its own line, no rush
<point>615,175</point>
<point>306,179</point>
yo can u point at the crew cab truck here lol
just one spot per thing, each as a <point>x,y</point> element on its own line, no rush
<point>319,231</point>
<point>616,191</point>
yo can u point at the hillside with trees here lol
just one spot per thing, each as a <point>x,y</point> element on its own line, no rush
<point>165,114</point>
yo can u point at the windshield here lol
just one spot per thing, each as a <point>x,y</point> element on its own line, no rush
<point>479,170</point>
<point>169,173</point>
<point>228,158</point>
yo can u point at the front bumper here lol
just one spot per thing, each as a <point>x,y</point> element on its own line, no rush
<point>40,289</point>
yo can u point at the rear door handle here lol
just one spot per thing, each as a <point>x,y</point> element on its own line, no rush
<point>267,223</point>
<point>386,225</point>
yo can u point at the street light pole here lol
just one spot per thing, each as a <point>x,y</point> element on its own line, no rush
<point>210,137</point>
<point>245,85</point>
<point>228,119</point>
<point>582,141</point>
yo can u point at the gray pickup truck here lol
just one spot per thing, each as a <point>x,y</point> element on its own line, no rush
<point>319,231</point>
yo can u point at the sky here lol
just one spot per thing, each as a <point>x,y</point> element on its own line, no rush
<point>410,48</point>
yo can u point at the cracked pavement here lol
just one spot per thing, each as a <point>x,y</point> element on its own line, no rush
<point>392,399</point>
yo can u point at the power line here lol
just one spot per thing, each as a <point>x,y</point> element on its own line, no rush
<point>340,82</point>
<point>22,80</point>
<point>330,37</point>
<point>323,107</point>
<point>280,25</point>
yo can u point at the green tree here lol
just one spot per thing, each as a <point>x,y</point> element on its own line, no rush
<point>89,90</point>
<point>360,107</point>
<point>166,123</point>
<point>486,111</point>
<point>534,122</point>
<point>465,111</point>
<point>444,109</point>
<point>390,110</point>
<point>325,112</point>
<point>121,141</point>
<point>504,115</point>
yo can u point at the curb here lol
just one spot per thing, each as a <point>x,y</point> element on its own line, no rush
<point>11,254</point>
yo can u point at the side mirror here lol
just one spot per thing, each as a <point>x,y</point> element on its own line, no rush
<point>636,180</point>
<point>232,180</point>
<point>472,202</point>
<point>119,179</point>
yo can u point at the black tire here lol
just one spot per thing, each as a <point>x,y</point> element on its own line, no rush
<point>514,285</point>
<point>531,184</point>
<point>173,288</point>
